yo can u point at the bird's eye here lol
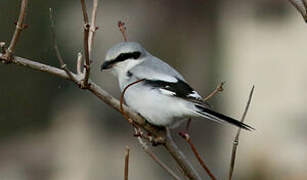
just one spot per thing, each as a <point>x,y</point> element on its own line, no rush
<point>136,55</point>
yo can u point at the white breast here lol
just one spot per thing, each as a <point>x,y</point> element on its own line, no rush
<point>158,108</point>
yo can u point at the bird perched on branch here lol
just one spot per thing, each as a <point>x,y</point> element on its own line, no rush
<point>162,96</point>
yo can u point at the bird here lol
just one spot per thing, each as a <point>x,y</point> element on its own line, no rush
<point>162,96</point>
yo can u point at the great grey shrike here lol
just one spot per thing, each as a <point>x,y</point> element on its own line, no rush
<point>163,98</point>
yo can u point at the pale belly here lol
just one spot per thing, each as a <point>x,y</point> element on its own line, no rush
<point>158,109</point>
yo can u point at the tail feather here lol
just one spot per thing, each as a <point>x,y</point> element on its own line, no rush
<point>215,116</point>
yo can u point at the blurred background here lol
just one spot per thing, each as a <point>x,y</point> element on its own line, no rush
<point>51,130</point>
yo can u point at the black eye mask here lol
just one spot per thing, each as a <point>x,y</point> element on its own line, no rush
<point>120,58</point>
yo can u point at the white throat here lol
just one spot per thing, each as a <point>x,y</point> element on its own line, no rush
<point>121,69</point>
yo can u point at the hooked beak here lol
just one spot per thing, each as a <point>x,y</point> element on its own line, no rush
<point>105,65</point>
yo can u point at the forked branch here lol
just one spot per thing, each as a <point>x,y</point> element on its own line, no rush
<point>169,144</point>
<point>86,27</point>
<point>218,89</point>
<point>19,27</point>
<point>57,51</point>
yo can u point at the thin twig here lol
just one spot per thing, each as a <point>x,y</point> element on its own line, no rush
<point>236,140</point>
<point>86,27</point>
<point>123,29</point>
<point>2,47</point>
<point>93,27</point>
<point>301,7</point>
<point>155,157</point>
<point>57,51</point>
<point>156,140</point>
<point>79,63</point>
<point>122,99</point>
<point>180,158</point>
<point>126,163</point>
<point>104,96</point>
<point>202,163</point>
<point>219,88</point>
<point>19,28</point>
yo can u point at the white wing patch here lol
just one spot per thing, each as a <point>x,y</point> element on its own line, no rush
<point>167,92</point>
<point>194,94</point>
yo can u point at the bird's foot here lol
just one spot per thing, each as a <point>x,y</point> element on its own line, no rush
<point>155,141</point>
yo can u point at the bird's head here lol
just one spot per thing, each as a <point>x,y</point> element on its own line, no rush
<point>123,56</point>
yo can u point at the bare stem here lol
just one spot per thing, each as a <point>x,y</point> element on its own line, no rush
<point>19,28</point>
<point>86,27</point>
<point>127,163</point>
<point>156,159</point>
<point>202,163</point>
<point>180,158</point>
<point>79,63</point>
<point>301,7</point>
<point>219,88</point>
<point>122,99</point>
<point>236,140</point>
<point>123,29</point>
<point>57,51</point>
<point>93,27</point>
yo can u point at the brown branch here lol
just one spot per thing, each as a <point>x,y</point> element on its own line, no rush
<point>139,133</point>
<point>155,158</point>
<point>301,7</point>
<point>236,140</point>
<point>84,11</point>
<point>79,63</point>
<point>123,29</point>
<point>219,88</point>
<point>2,47</point>
<point>19,28</point>
<point>122,99</point>
<point>170,145</point>
<point>57,51</point>
<point>86,27</point>
<point>202,163</point>
<point>93,27</point>
<point>180,158</point>
<point>127,163</point>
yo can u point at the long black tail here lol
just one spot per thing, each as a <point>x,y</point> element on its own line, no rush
<point>215,116</point>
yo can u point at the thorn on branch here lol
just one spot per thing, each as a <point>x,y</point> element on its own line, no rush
<point>24,26</point>
<point>123,29</point>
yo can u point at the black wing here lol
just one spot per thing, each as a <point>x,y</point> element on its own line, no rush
<point>178,89</point>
